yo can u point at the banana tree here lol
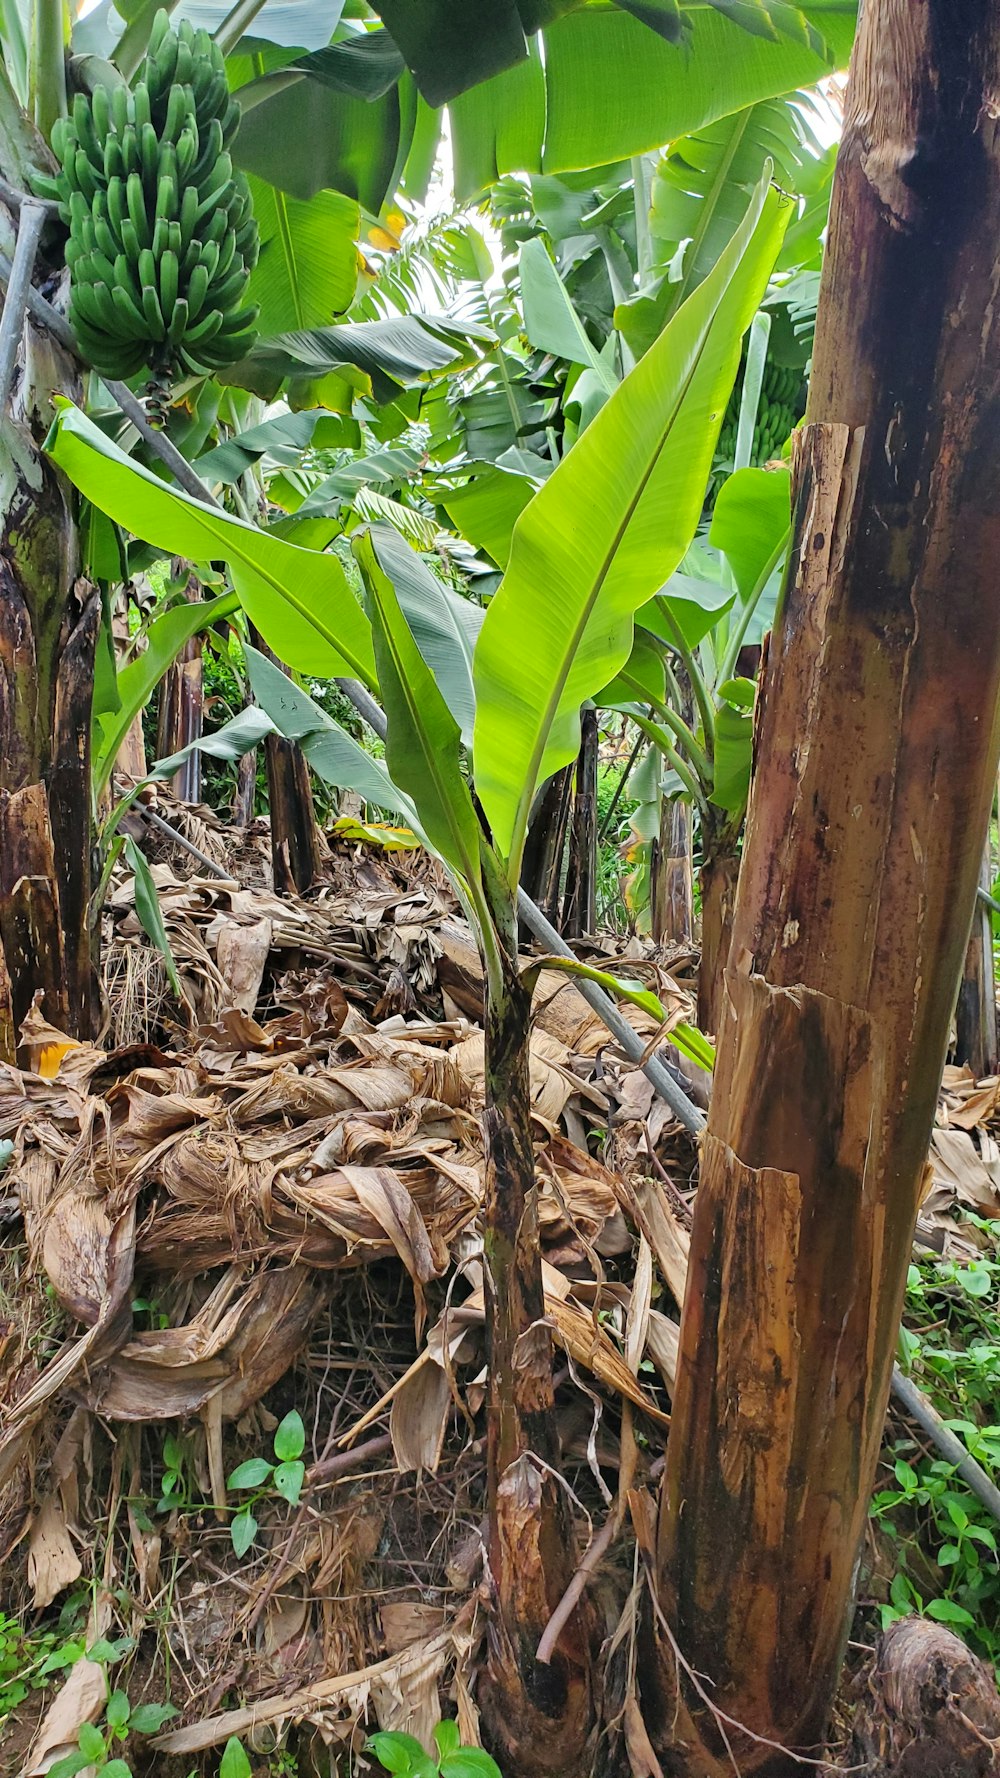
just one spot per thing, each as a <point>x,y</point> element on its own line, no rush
<point>875,774</point>
<point>513,698</point>
<point>49,620</point>
<point>535,662</point>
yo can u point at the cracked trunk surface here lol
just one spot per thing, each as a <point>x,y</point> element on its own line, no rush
<point>875,763</point>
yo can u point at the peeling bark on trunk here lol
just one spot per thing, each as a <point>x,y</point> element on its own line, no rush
<point>672,893</point>
<point>246,789</point>
<point>539,1715</point>
<point>580,905</point>
<point>718,877</point>
<point>49,620</point>
<point>295,842</point>
<point>976,1011</point>
<point>130,763</point>
<point>179,719</point>
<point>875,766</point>
<point>931,1708</point>
<point>541,868</point>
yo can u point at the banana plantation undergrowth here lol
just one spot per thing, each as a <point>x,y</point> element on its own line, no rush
<point>243,1332</point>
<point>499,744</point>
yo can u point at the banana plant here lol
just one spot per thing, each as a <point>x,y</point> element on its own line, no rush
<point>682,688</point>
<point>559,626</point>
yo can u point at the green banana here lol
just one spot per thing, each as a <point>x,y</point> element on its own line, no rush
<point>86,179</point>
<point>129,313</point>
<point>137,209</point>
<point>86,133</point>
<point>100,106</point>
<point>169,274</point>
<point>131,158</point>
<point>197,290</point>
<point>178,322</point>
<point>205,329</point>
<point>122,112</point>
<point>189,212</point>
<point>162,236</point>
<point>153,313</point>
<point>187,153</point>
<point>149,149</point>
<point>166,195</point>
<point>184,69</point>
<point>131,242</point>
<point>177,114</point>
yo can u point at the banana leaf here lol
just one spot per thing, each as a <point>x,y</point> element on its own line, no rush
<point>300,600</point>
<point>605,532</point>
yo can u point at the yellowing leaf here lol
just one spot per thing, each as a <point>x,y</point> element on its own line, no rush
<point>51,1057</point>
<point>376,833</point>
<point>384,239</point>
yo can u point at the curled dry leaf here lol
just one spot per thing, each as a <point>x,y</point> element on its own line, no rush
<point>53,1562</point>
<point>80,1699</point>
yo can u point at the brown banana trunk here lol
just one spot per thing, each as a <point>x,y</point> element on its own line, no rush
<point>539,1716</point>
<point>130,763</point>
<point>976,1009</point>
<point>672,892</point>
<point>719,876</point>
<point>295,842</point>
<point>180,714</point>
<point>246,789</point>
<point>876,757</point>
<point>580,906</point>
<point>541,867</point>
<point>49,620</point>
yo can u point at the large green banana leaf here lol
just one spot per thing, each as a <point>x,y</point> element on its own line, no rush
<point>453,45</point>
<point>445,627</point>
<point>330,751</point>
<point>700,192</point>
<point>300,600</point>
<point>486,509</point>
<point>605,532</point>
<point>422,740</point>
<point>609,87</point>
<point>550,321</point>
<point>283,439</point>
<point>308,265</point>
<point>422,750</point>
<point>136,683</point>
<point>751,518</point>
<point>386,355</point>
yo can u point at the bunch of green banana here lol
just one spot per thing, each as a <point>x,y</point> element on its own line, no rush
<point>162,237</point>
<point>781,404</point>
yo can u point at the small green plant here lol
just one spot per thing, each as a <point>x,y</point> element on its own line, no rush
<point>285,1477</point>
<point>945,1541</point>
<point>96,1743</point>
<point>282,1763</point>
<point>28,1659</point>
<point>404,1756</point>
<point>234,1762</point>
<point>174,1490</point>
